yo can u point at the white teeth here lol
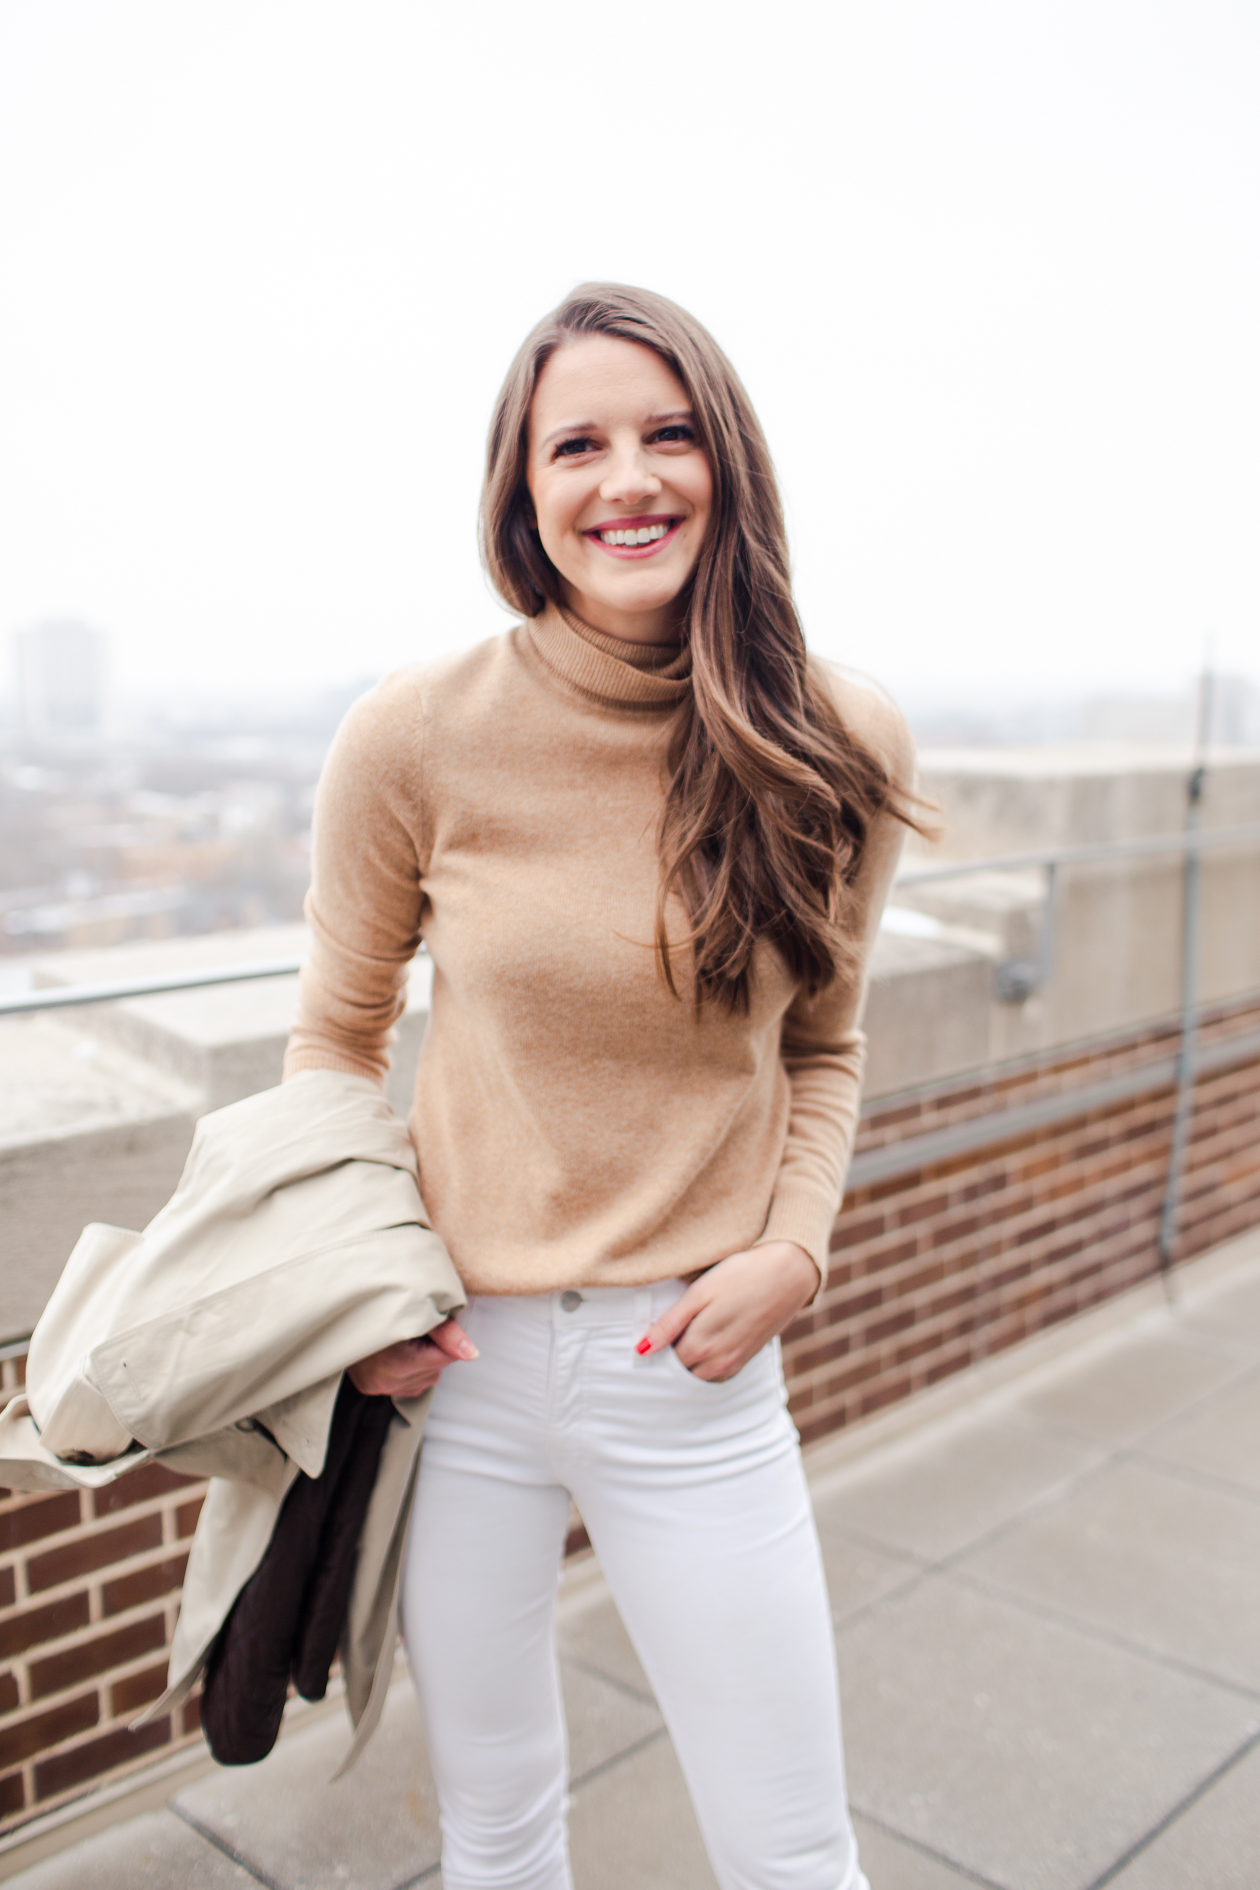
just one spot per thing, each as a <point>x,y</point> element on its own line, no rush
<point>644,535</point>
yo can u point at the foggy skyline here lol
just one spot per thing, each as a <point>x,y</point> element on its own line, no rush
<point>989,273</point>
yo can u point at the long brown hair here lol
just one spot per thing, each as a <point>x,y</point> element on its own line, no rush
<point>769,797</point>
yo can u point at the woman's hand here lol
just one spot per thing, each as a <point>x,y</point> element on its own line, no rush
<point>413,1365</point>
<point>731,1311</point>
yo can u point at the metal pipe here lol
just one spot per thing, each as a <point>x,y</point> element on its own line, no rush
<point>1049,925</point>
<point>1191,840</point>
<point>1051,858</point>
<point>61,999</point>
<point>1183,1112</point>
<point>1014,1121</point>
<point>1184,1108</point>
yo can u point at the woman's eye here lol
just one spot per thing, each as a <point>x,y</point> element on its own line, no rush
<point>668,436</point>
<point>567,448</point>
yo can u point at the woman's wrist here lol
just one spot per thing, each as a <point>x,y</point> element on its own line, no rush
<point>795,1258</point>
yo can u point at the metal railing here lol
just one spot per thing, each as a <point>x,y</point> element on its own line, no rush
<point>62,997</point>
<point>1018,978</point>
<point>58,997</point>
<point>1015,980</point>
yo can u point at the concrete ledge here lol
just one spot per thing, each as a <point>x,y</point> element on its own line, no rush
<point>98,1105</point>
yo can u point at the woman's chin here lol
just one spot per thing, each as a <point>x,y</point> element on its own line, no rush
<point>637,594</point>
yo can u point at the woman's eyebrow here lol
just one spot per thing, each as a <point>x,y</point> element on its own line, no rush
<point>574,426</point>
<point>592,426</point>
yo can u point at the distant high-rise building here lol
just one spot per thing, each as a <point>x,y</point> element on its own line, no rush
<point>60,678</point>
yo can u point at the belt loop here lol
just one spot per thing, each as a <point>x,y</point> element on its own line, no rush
<point>643,1307</point>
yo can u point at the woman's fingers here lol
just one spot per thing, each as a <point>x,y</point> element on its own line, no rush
<point>710,1346</point>
<point>675,1320</point>
<point>413,1365</point>
<point>453,1340</point>
<point>734,1308</point>
<point>418,1367</point>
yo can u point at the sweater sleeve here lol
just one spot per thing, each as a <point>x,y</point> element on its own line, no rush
<point>822,1047</point>
<point>364,904</point>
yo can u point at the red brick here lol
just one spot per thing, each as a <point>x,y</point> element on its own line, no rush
<point>1032,1231</point>
<point>577,1539</point>
<point>154,1479</point>
<point>67,1769</point>
<point>810,1359</point>
<point>190,1714</point>
<point>889,1118</point>
<point>887,1257</point>
<point>22,1738</point>
<point>851,1232</point>
<point>913,1348</point>
<point>856,1374</point>
<point>855,1304</point>
<point>924,1276</point>
<point>127,1696</point>
<point>1043,1164</point>
<point>143,1584</point>
<point>889,1327</point>
<point>37,1516</point>
<point>10,1698</point>
<point>1063,1250</point>
<point>983,1185</point>
<point>947,1302</point>
<point>186,1516</point>
<point>1096,1145</point>
<point>925,1209</point>
<point>8,1588</point>
<point>896,1184</point>
<point>946,1367</point>
<point>804,1324</point>
<point>955,1226</point>
<point>12,1795</point>
<point>93,1552</point>
<point>70,1665</point>
<point>34,1626</point>
<point>880,1395</point>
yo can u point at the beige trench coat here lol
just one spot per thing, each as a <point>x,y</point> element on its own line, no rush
<point>214,1342</point>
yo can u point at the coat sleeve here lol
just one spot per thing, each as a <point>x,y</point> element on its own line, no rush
<point>823,1048</point>
<point>363,908</point>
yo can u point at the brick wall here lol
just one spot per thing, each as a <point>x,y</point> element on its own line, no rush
<point>89,1590</point>
<point>934,1270</point>
<point>931,1271</point>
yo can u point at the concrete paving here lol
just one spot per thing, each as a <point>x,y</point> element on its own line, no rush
<point>1048,1629</point>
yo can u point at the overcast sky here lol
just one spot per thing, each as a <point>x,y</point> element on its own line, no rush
<point>989,270</point>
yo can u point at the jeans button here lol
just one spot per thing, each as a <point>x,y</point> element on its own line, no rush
<point>570,1300</point>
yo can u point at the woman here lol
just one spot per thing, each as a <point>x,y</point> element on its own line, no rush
<point>646,842</point>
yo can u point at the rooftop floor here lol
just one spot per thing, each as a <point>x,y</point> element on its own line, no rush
<point>1049,1643</point>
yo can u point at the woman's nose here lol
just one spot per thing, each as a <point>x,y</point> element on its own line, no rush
<point>629,480</point>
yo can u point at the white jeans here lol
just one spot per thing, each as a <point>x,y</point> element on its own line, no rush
<point>695,1501</point>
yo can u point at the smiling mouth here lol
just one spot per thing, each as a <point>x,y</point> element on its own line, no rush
<point>634,534</point>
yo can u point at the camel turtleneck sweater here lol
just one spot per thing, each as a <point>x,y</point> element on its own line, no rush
<point>575,1123</point>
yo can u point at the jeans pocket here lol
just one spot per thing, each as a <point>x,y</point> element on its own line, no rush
<point>741,1380</point>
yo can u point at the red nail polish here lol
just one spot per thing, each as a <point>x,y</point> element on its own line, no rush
<point>644,1345</point>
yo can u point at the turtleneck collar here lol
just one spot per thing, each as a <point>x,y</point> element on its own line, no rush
<point>630,675</point>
